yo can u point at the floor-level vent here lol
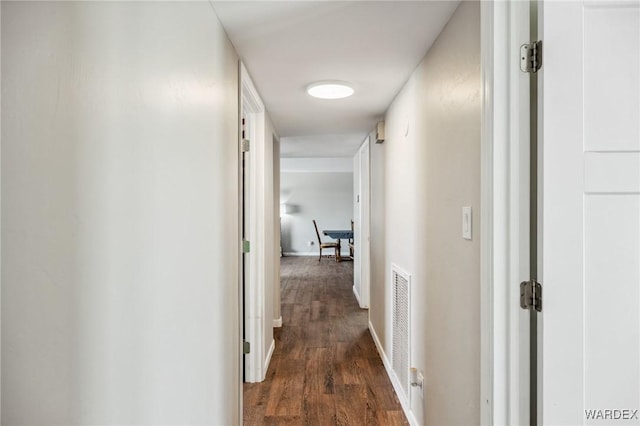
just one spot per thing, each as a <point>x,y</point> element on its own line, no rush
<point>400,281</point>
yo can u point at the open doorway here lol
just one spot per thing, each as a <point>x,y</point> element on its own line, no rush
<point>320,189</point>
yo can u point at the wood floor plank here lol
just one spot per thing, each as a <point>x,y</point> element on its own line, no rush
<point>282,421</point>
<point>300,314</point>
<point>322,410</point>
<point>285,395</point>
<point>395,418</point>
<point>381,386</point>
<point>351,404</point>
<point>318,374</point>
<point>325,369</point>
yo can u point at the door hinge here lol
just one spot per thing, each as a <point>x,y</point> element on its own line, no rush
<point>531,57</point>
<point>531,295</point>
<point>245,145</point>
<point>246,247</point>
<point>246,347</point>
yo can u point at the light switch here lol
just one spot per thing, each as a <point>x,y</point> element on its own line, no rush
<point>466,222</point>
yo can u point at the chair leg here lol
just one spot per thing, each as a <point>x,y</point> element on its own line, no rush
<point>320,257</point>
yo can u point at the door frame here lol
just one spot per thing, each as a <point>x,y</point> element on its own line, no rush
<point>254,303</point>
<point>505,205</point>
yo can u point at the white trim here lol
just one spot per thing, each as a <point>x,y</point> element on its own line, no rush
<point>538,14</point>
<point>487,400</point>
<point>519,215</point>
<point>277,322</point>
<point>255,308</point>
<point>272,348</point>
<point>344,254</point>
<point>250,94</point>
<point>363,246</point>
<point>355,292</point>
<point>240,348</point>
<point>394,381</point>
<point>0,216</point>
<point>504,219</point>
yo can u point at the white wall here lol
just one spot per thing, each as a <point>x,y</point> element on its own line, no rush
<point>316,164</point>
<point>427,169</point>
<point>326,196</point>
<point>119,203</point>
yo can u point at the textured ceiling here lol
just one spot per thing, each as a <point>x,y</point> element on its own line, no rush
<point>286,45</point>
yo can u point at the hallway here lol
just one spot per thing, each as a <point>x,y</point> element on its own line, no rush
<point>325,369</point>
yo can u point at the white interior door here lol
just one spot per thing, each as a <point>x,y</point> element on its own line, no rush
<point>590,213</point>
<point>356,225</point>
<point>364,226</point>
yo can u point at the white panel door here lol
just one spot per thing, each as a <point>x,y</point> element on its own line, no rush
<point>356,225</point>
<point>590,213</point>
<point>364,226</point>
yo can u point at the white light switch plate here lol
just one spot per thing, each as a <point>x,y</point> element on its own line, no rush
<point>466,222</point>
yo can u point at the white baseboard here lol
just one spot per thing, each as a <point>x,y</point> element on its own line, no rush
<point>358,298</point>
<point>277,323</point>
<point>295,253</point>
<point>362,306</point>
<point>406,406</point>
<point>267,360</point>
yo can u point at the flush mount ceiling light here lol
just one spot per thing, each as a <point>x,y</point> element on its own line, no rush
<point>330,90</point>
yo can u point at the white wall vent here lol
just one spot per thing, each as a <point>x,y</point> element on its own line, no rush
<point>400,282</point>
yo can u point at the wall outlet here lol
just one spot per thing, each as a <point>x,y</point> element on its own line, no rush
<point>417,380</point>
<point>310,243</point>
<point>421,384</point>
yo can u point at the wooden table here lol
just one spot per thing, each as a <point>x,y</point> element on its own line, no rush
<point>339,234</point>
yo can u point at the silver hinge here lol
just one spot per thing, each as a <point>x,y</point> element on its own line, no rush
<point>531,56</point>
<point>531,295</point>
<point>245,145</point>
<point>246,347</point>
<point>246,247</point>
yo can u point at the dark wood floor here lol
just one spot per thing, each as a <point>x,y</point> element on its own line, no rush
<point>325,369</point>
